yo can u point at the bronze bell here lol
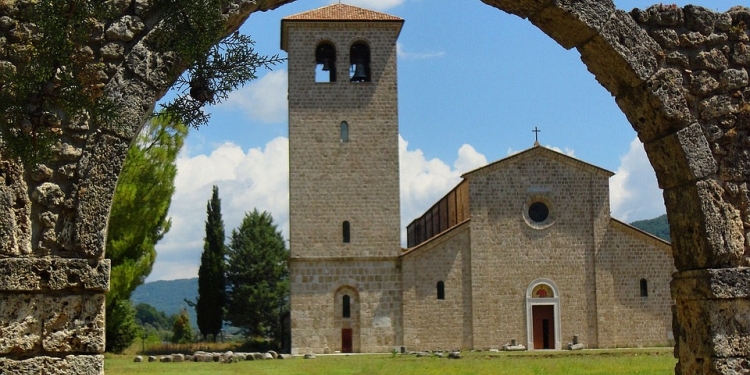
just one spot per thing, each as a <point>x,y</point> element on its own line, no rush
<point>360,73</point>
<point>326,65</point>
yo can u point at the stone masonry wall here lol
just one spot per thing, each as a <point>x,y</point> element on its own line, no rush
<point>332,181</point>
<point>508,252</point>
<point>430,323</point>
<point>316,309</point>
<point>628,256</point>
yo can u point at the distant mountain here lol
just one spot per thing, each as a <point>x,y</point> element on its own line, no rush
<point>657,226</point>
<point>168,295</point>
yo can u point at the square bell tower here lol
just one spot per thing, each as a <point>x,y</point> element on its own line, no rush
<point>343,180</point>
<point>343,132</point>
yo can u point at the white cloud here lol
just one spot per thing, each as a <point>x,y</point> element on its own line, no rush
<point>257,178</point>
<point>264,99</point>
<point>373,4</point>
<point>424,182</point>
<point>634,192</point>
<point>402,53</point>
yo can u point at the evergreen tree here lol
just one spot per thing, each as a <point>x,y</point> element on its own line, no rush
<point>181,331</point>
<point>257,277</point>
<point>138,217</point>
<point>209,307</point>
<point>121,328</point>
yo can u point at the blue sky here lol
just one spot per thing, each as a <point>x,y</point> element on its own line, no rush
<point>473,83</point>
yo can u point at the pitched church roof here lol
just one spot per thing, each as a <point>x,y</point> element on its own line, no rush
<point>341,12</point>
<point>542,151</point>
<point>337,13</point>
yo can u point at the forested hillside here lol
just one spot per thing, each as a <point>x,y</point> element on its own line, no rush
<point>657,226</point>
<point>168,295</point>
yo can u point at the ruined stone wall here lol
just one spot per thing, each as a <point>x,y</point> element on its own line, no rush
<point>431,323</point>
<point>53,216</point>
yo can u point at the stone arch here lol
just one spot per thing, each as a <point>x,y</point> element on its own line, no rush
<point>347,326</point>
<point>678,74</point>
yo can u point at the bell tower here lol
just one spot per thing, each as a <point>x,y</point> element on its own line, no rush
<point>343,132</point>
<point>343,178</point>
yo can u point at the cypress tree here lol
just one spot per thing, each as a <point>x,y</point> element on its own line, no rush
<point>209,307</point>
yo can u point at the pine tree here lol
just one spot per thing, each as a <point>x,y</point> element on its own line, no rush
<point>209,307</point>
<point>257,277</point>
<point>138,220</point>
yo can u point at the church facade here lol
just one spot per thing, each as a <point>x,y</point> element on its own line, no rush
<point>522,249</point>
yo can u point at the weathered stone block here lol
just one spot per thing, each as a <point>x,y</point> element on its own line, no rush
<point>571,23</point>
<point>720,283</point>
<point>98,170</point>
<point>36,274</point>
<point>681,157</point>
<point>20,324</point>
<point>74,365</point>
<point>31,366</point>
<point>707,232</point>
<point>717,328</point>
<point>74,324</point>
<point>9,243</point>
<point>658,107</point>
<point>153,67</point>
<point>623,54</point>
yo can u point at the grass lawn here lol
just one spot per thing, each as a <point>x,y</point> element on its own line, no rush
<point>591,362</point>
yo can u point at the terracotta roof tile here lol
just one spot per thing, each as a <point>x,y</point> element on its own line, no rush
<point>341,12</point>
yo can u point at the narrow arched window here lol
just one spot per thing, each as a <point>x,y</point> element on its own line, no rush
<point>325,63</point>
<point>346,231</point>
<point>346,304</point>
<point>359,60</point>
<point>440,290</point>
<point>344,131</point>
<point>644,288</point>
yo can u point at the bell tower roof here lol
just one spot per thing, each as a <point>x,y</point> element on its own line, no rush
<point>336,13</point>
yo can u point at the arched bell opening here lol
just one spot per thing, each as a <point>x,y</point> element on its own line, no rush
<point>359,68</point>
<point>325,63</point>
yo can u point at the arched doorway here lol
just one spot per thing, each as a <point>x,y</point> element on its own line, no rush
<point>543,315</point>
<point>346,320</point>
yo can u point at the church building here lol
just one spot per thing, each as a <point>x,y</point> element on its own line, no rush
<point>522,249</point>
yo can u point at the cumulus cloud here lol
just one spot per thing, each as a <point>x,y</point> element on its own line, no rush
<point>404,54</point>
<point>373,4</point>
<point>256,178</point>
<point>424,181</point>
<point>264,99</point>
<point>259,178</point>
<point>634,192</point>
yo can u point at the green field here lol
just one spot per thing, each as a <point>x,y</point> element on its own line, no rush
<point>590,362</point>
